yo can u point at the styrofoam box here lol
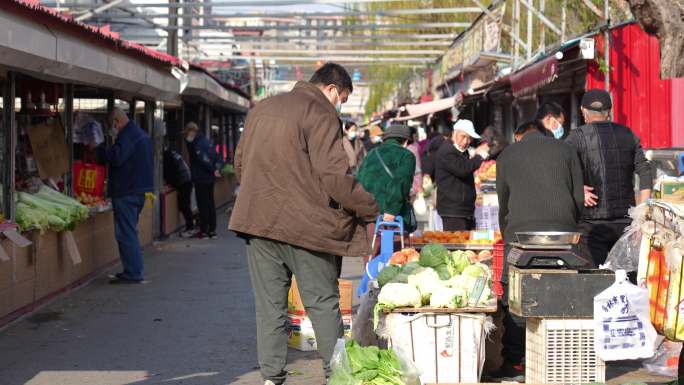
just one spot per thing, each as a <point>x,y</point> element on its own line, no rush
<point>446,348</point>
<point>301,335</point>
<point>561,351</point>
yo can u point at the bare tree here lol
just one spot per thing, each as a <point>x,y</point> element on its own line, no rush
<point>664,19</point>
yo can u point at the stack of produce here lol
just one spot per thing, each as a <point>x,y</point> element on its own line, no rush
<point>367,366</point>
<point>48,210</point>
<point>92,201</point>
<point>453,237</point>
<point>439,279</point>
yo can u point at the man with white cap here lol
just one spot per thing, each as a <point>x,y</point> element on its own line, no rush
<point>454,169</point>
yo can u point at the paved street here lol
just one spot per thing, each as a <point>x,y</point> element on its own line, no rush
<point>192,323</point>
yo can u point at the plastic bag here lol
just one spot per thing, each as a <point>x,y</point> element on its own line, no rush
<point>419,205</point>
<point>622,327</point>
<point>666,360</point>
<point>342,372</point>
<point>625,254</point>
<point>362,326</point>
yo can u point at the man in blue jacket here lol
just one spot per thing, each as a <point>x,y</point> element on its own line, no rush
<point>204,169</point>
<point>131,175</point>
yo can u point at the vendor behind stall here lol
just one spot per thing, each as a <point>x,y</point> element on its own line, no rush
<point>539,183</point>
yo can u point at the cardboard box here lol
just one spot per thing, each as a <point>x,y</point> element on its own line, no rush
<point>301,335</point>
<point>446,348</point>
<point>296,306</point>
<point>672,192</point>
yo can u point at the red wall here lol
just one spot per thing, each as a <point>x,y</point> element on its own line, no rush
<point>641,100</point>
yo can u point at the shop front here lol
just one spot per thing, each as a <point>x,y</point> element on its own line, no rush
<point>57,91</point>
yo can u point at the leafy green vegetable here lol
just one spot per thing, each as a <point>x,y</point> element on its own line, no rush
<point>412,268</point>
<point>433,255</point>
<point>400,278</point>
<point>476,270</point>
<point>458,261</point>
<point>370,366</point>
<point>387,274</point>
<point>62,212</point>
<point>29,218</point>
<point>443,271</point>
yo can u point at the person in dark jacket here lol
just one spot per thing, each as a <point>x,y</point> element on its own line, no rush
<point>427,161</point>
<point>552,117</point>
<point>454,169</point>
<point>540,187</point>
<point>204,170</point>
<point>496,140</point>
<point>177,174</point>
<point>610,154</point>
<point>131,176</point>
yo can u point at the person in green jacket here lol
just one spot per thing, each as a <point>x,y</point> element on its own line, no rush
<point>387,173</point>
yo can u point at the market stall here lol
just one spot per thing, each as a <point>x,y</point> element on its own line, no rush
<point>57,90</point>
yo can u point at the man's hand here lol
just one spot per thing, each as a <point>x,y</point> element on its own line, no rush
<point>217,173</point>
<point>388,217</point>
<point>483,150</point>
<point>590,199</point>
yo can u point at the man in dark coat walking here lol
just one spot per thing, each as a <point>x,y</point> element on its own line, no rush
<point>204,170</point>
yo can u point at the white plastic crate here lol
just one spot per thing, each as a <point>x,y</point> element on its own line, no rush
<point>561,351</point>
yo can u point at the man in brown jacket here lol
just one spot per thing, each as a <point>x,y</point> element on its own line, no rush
<point>299,210</point>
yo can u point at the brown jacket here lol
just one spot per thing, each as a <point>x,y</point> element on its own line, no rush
<point>294,181</point>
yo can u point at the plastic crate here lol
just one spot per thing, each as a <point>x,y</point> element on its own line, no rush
<point>497,267</point>
<point>561,351</point>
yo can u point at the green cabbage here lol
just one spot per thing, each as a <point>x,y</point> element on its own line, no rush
<point>387,274</point>
<point>29,218</point>
<point>433,255</point>
<point>458,262</point>
<point>477,270</point>
<point>412,268</point>
<point>443,271</point>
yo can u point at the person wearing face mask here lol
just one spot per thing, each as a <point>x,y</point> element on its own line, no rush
<point>299,211</point>
<point>454,176</point>
<point>204,170</point>
<point>552,117</point>
<point>353,146</point>
<point>130,176</point>
<point>387,173</point>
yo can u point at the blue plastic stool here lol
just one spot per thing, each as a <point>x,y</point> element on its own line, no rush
<point>388,231</point>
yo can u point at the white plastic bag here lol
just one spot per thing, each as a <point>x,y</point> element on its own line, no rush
<point>419,205</point>
<point>622,329</point>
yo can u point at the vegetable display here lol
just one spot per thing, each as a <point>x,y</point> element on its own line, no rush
<point>368,366</point>
<point>48,210</point>
<point>440,279</point>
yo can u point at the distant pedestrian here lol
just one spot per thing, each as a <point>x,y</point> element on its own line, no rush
<point>427,160</point>
<point>552,117</point>
<point>454,176</point>
<point>131,176</point>
<point>177,174</point>
<point>205,169</point>
<point>299,211</point>
<point>610,154</point>
<point>353,146</point>
<point>414,147</point>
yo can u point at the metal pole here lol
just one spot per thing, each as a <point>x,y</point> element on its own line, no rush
<point>529,33</point>
<point>516,32</point>
<point>9,126</point>
<point>68,118</point>
<point>172,37</point>
<point>564,17</point>
<point>606,13</point>
<point>542,27</point>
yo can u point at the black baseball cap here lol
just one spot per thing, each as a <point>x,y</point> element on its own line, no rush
<point>597,100</point>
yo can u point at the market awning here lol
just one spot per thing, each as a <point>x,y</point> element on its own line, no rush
<point>532,78</point>
<point>421,109</point>
<point>52,53</point>
<point>202,85</point>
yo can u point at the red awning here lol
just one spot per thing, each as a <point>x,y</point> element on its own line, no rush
<point>534,77</point>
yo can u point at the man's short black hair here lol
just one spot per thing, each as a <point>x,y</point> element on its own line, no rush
<point>549,108</point>
<point>529,126</point>
<point>332,73</point>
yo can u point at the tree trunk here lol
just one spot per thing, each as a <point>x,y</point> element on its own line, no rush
<point>664,19</point>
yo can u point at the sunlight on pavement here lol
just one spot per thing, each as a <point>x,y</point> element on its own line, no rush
<point>90,377</point>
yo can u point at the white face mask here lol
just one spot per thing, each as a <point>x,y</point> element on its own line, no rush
<point>377,139</point>
<point>113,132</point>
<point>351,135</point>
<point>338,104</point>
<point>558,131</point>
<point>190,138</point>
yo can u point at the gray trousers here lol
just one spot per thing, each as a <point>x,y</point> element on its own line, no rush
<point>271,265</point>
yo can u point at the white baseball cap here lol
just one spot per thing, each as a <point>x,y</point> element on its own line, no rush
<point>467,127</point>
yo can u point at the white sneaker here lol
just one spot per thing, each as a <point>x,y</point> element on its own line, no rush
<point>187,234</point>
<point>269,382</point>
